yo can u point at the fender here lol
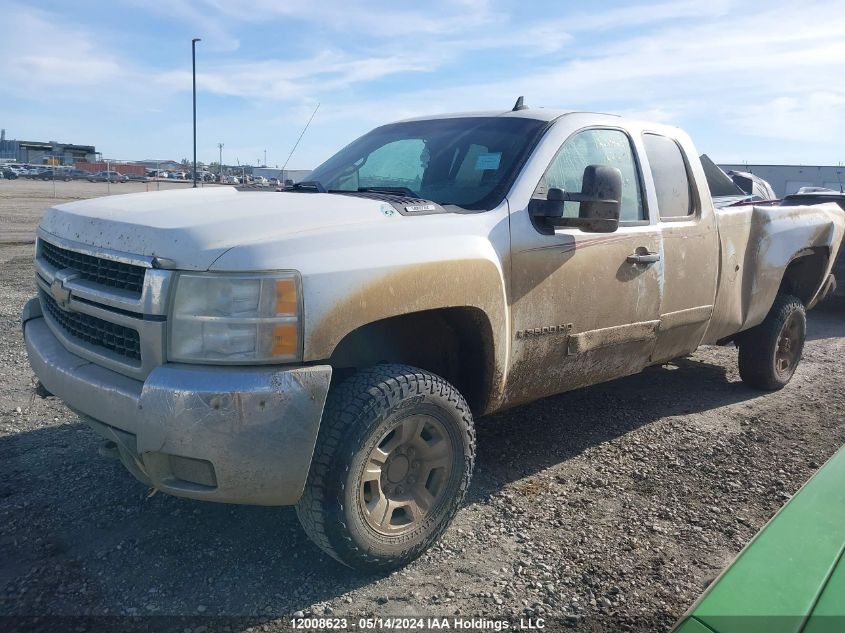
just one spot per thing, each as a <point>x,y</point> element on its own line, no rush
<point>475,283</point>
<point>365,273</point>
<point>757,245</point>
<point>788,235</point>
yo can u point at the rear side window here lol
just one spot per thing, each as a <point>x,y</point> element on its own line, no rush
<point>671,179</point>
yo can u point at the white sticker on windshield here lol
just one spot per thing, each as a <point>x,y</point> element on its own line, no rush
<point>488,161</point>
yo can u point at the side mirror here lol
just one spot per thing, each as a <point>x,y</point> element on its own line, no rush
<point>600,198</point>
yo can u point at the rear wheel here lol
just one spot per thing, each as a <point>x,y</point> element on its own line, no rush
<point>393,460</point>
<point>770,352</point>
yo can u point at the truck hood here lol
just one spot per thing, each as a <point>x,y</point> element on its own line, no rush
<point>194,227</point>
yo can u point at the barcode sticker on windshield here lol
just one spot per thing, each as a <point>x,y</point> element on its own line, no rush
<point>488,161</point>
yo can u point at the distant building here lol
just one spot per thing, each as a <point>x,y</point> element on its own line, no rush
<point>164,163</point>
<point>44,152</point>
<point>120,166</point>
<point>786,179</point>
<point>296,175</point>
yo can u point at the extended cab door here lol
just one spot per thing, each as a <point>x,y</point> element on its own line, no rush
<point>583,311</point>
<point>690,244</point>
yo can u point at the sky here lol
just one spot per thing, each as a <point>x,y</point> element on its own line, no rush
<point>751,81</point>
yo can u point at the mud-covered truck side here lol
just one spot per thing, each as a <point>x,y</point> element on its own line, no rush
<point>329,345</point>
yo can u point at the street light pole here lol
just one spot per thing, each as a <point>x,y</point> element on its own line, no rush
<point>194,76</point>
<point>220,163</point>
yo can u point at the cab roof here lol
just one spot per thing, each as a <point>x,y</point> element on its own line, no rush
<point>540,114</point>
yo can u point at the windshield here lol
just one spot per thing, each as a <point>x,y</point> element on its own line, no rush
<point>469,162</point>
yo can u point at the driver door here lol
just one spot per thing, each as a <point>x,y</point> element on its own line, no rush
<point>583,312</point>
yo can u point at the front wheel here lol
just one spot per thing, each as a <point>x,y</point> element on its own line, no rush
<point>393,460</point>
<point>770,352</point>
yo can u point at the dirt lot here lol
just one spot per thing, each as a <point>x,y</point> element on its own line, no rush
<point>610,508</point>
<point>23,201</point>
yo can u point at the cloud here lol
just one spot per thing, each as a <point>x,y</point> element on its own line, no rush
<point>277,80</point>
<point>359,18</point>
<point>30,68</point>
<point>627,17</point>
<point>196,19</point>
<point>816,116</point>
<point>729,71</point>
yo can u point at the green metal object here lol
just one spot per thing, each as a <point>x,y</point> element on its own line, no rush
<point>791,576</point>
<point>829,613</point>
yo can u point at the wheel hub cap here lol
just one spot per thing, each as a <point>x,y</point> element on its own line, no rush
<point>406,475</point>
<point>788,348</point>
<point>397,469</point>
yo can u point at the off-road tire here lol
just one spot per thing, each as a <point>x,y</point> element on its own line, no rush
<point>359,411</point>
<point>759,347</point>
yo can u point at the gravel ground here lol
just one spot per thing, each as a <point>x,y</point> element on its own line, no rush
<point>22,201</point>
<point>610,508</point>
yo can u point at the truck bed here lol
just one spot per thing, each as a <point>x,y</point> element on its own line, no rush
<point>756,245</point>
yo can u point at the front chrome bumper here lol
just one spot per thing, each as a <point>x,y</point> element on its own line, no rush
<point>228,434</point>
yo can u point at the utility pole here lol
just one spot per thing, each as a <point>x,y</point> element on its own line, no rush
<point>265,158</point>
<point>194,77</point>
<point>108,169</point>
<point>220,163</point>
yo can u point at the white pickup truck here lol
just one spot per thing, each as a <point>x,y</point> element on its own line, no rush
<point>328,346</point>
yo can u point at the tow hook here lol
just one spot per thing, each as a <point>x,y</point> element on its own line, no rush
<point>109,449</point>
<point>41,391</point>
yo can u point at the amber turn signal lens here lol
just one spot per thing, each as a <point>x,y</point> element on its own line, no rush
<point>284,339</point>
<point>286,296</point>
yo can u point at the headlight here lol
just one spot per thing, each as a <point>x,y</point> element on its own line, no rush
<point>234,318</point>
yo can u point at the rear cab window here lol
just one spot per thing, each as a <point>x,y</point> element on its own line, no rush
<point>675,200</point>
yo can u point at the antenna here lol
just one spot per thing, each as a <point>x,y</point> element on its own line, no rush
<point>295,145</point>
<point>519,105</point>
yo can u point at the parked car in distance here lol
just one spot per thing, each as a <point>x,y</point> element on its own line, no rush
<point>804,190</point>
<point>107,176</point>
<point>202,176</point>
<point>78,174</point>
<point>15,167</point>
<point>34,172</point>
<point>8,174</point>
<point>53,174</point>
<point>804,197</point>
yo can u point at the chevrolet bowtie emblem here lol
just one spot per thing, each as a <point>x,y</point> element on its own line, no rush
<point>60,293</point>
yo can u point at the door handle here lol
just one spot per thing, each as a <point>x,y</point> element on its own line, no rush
<point>644,258</point>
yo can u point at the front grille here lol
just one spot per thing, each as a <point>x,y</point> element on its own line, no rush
<point>102,271</point>
<point>117,338</point>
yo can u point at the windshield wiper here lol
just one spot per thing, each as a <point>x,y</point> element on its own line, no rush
<point>308,185</point>
<point>396,191</point>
